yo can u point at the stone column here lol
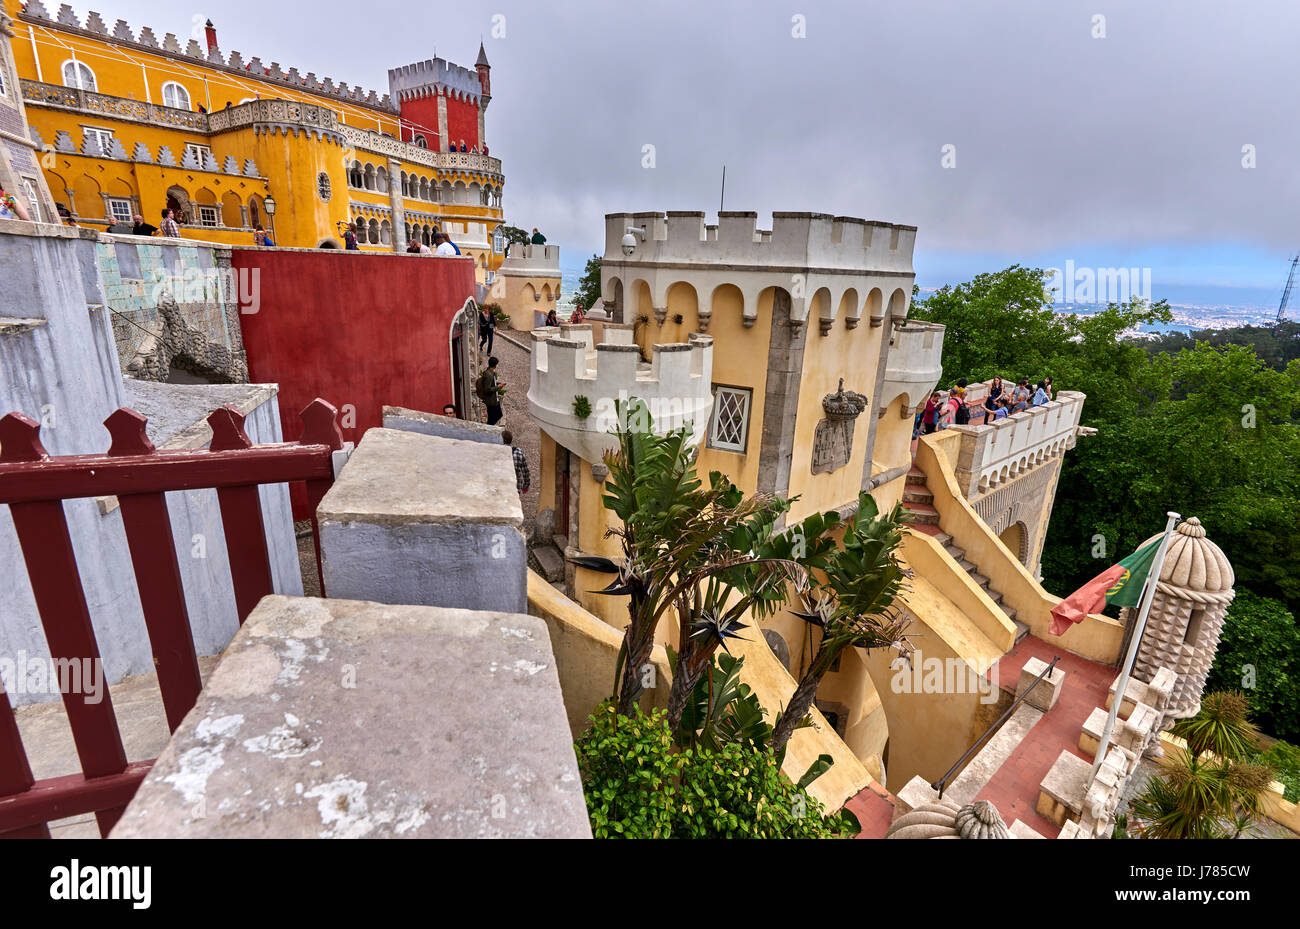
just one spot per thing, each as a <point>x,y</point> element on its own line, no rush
<point>395,201</point>
<point>442,123</point>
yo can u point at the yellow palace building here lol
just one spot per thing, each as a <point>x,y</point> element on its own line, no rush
<point>128,123</point>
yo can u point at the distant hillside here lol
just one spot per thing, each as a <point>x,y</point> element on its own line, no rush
<point>1275,345</point>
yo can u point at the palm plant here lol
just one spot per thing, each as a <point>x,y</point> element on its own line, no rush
<point>855,606</point>
<point>686,547</point>
<point>1212,790</point>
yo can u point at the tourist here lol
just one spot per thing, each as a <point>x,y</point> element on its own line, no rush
<point>522,478</point>
<point>462,146</point>
<point>65,215</point>
<point>1001,408</point>
<point>1020,396</point>
<point>488,389</point>
<point>261,238</point>
<point>141,227</point>
<point>487,326</point>
<point>1047,385</point>
<point>449,409</point>
<point>577,315</point>
<point>947,412</point>
<point>538,238</point>
<point>552,317</point>
<point>961,415</point>
<point>1040,395</point>
<point>930,416</point>
<point>11,208</point>
<point>414,247</point>
<point>995,388</point>
<point>168,226</point>
<point>445,249</point>
<point>349,237</point>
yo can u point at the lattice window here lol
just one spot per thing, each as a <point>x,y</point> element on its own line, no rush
<point>120,210</point>
<point>208,216</point>
<point>323,186</point>
<point>729,430</point>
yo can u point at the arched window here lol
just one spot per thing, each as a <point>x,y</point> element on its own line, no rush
<point>374,232</point>
<point>174,95</point>
<point>406,186</point>
<point>421,142</point>
<point>369,177</point>
<point>386,232</point>
<point>78,74</point>
<point>381,180</point>
<point>354,176</point>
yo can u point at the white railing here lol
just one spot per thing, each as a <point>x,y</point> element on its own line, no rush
<point>996,453</point>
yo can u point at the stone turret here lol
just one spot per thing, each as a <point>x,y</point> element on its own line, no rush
<point>1187,614</point>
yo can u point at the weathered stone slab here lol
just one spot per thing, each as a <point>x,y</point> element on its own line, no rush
<point>342,719</point>
<point>1060,795</point>
<point>446,427</point>
<point>424,520</point>
<point>1047,692</point>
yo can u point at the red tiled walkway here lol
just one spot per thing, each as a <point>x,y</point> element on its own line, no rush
<point>1014,788</point>
<point>874,808</point>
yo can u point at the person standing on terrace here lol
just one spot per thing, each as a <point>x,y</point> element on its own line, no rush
<point>930,417</point>
<point>168,226</point>
<point>538,238</point>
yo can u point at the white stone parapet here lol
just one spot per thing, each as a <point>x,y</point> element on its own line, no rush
<point>993,454</point>
<point>532,261</point>
<point>677,386</point>
<point>914,365</point>
<point>864,267</point>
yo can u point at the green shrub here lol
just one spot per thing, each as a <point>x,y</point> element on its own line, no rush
<point>1284,759</point>
<point>581,406</point>
<point>639,785</point>
<point>1259,653</point>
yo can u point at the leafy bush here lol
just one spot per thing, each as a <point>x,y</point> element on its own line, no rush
<point>1284,759</point>
<point>639,786</point>
<point>1260,636</point>
<point>581,406</point>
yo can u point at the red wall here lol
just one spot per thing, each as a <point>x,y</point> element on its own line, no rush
<point>462,122</point>
<point>365,330</point>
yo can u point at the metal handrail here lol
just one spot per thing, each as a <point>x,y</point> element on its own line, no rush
<point>943,781</point>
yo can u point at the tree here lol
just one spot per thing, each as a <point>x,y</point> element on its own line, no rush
<point>854,606</point>
<point>686,548</point>
<point>588,291</point>
<point>515,236</point>
<point>1260,652</point>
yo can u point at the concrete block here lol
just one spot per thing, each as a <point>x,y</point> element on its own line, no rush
<point>1048,691</point>
<point>425,520</point>
<point>916,792</point>
<point>1090,736</point>
<point>1060,795</point>
<point>342,719</point>
<point>1019,830</point>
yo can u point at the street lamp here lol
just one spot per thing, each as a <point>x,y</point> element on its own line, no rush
<point>269,203</point>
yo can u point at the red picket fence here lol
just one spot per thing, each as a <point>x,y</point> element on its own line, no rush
<point>34,485</point>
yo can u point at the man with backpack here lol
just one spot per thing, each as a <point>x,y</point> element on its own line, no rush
<point>488,390</point>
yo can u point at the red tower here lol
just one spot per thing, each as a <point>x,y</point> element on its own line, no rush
<point>484,74</point>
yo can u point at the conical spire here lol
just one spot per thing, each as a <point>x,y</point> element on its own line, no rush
<point>482,57</point>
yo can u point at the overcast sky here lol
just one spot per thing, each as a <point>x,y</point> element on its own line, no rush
<point>1111,151</point>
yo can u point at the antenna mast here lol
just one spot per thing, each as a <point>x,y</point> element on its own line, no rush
<point>1286,293</point>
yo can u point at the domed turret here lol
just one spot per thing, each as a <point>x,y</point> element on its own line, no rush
<point>1187,615</point>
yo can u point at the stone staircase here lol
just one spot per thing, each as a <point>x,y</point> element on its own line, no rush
<point>918,502</point>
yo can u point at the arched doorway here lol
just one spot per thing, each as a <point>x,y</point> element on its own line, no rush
<point>1016,539</point>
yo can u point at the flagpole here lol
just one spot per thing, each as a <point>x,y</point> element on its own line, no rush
<point>1121,685</point>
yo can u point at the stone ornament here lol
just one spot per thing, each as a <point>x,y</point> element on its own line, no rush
<point>944,819</point>
<point>833,438</point>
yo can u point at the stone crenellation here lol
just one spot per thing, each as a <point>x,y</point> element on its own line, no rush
<point>434,76</point>
<point>816,240</point>
<point>147,40</point>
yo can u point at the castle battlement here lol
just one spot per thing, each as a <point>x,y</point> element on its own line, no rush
<point>994,454</point>
<point>532,260</point>
<point>838,267</point>
<point>677,386</point>
<point>146,40</point>
<point>433,76</point>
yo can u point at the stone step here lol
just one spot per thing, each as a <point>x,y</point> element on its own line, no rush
<point>916,493</point>
<point>923,514</point>
<point>942,538</point>
<point>962,563</point>
<point>1021,629</point>
<point>916,476</point>
<point>980,580</point>
<point>958,554</point>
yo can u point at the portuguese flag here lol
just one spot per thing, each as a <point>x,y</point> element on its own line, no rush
<point>1119,585</point>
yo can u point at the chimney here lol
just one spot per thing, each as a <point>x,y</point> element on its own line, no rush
<point>211,31</point>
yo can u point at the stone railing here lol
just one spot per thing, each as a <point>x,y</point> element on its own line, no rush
<point>677,386</point>
<point>370,141</point>
<point>57,96</point>
<point>913,366</point>
<point>284,112</point>
<point>994,454</point>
